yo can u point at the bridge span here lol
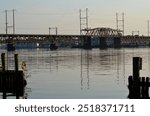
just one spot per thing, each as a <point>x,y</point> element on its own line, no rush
<point>37,38</point>
<point>86,41</point>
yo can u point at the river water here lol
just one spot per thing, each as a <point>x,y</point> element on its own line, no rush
<point>77,73</point>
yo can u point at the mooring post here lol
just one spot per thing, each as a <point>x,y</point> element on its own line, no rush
<point>130,87</point>
<point>143,87</point>
<point>137,66</point>
<point>147,87</point>
<point>4,79</point>
<point>3,61</point>
<point>16,62</point>
<point>17,78</point>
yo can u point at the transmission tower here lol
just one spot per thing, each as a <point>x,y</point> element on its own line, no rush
<point>120,23</point>
<point>6,21</point>
<point>83,20</point>
<point>10,26</point>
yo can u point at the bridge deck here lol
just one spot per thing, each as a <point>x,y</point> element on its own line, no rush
<point>5,38</point>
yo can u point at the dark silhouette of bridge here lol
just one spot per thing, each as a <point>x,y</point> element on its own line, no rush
<point>96,37</point>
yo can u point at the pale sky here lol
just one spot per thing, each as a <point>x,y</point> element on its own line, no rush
<point>36,16</point>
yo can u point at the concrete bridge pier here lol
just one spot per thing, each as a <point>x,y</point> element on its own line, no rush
<point>53,45</point>
<point>117,42</point>
<point>102,43</point>
<point>87,43</point>
<point>10,47</point>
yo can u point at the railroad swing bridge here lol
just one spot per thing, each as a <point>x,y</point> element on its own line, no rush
<point>106,32</point>
<point>103,37</point>
<point>96,37</point>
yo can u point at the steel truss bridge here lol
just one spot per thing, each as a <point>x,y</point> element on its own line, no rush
<point>71,39</point>
<point>102,32</point>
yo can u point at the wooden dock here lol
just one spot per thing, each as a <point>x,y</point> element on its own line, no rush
<point>138,86</point>
<point>11,81</point>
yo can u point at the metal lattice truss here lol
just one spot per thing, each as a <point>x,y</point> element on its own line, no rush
<point>102,32</point>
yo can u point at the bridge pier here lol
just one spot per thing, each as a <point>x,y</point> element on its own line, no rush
<point>10,47</point>
<point>117,42</point>
<point>87,43</point>
<point>102,43</point>
<point>53,45</point>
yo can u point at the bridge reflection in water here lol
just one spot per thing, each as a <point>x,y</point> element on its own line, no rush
<point>79,73</point>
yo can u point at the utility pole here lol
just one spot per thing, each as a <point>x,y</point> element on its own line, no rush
<point>148,27</point>
<point>6,21</point>
<point>87,18</point>
<point>13,21</point>
<point>123,22</point>
<point>80,21</point>
<point>117,21</point>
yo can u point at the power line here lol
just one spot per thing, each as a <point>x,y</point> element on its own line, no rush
<point>48,14</point>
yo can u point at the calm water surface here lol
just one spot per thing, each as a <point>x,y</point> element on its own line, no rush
<point>76,73</point>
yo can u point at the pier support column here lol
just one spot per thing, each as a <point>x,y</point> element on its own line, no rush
<point>10,47</point>
<point>117,42</point>
<point>102,43</point>
<point>53,45</point>
<point>87,43</point>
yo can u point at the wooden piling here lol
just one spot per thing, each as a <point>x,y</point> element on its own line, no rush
<point>11,81</point>
<point>130,87</point>
<point>3,61</point>
<point>17,77</point>
<point>3,79</point>
<point>138,86</point>
<point>147,87</point>
<point>143,88</point>
<point>137,66</point>
<point>16,62</point>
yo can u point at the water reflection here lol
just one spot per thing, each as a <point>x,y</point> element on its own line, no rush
<point>78,73</point>
<point>86,60</point>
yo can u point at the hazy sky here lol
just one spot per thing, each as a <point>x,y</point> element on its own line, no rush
<point>36,16</point>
